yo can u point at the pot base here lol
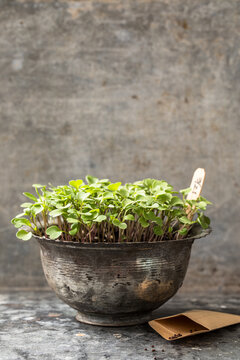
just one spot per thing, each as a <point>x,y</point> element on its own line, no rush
<point>114,320</point>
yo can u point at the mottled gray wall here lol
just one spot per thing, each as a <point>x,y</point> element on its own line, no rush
<point>125,90</point>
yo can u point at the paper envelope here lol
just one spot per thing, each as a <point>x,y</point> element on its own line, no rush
<point>191,323</point>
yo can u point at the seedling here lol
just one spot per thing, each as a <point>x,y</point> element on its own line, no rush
<point>102,211</point>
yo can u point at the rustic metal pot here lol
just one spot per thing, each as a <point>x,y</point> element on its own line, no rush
<point>116,284</point>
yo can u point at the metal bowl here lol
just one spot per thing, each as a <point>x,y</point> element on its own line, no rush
<point>116,284</point>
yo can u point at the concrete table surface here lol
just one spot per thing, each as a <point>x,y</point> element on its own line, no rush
<point>37,325</point>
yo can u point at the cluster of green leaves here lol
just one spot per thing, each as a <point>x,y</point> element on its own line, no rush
<point>101,211</point>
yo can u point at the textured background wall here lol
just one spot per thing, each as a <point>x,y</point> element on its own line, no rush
<point>124,90</point>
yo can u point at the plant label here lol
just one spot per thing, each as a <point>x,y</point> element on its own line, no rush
<point>196,184</point>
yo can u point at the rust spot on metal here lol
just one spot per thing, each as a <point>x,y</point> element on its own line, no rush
<point>153,290</point>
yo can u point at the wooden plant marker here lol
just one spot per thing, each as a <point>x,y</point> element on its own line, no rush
<point>196,187</point>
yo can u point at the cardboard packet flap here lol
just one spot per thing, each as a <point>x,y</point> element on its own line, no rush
<point>212,319</point>
<point>191,323</point>
<point>176,326</point>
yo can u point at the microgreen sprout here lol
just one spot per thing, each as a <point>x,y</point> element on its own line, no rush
<point>101,211</point>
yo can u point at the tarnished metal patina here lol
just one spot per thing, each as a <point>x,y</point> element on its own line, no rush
<point>116,284</point>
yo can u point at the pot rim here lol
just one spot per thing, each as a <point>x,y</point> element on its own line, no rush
<point>43,239</point>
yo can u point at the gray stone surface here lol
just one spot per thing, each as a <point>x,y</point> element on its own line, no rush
<point>125,90</point>
<point>36,325</point>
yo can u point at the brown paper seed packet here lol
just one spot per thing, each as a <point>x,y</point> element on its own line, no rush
<point>191,323</point>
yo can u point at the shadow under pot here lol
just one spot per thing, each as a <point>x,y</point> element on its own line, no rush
<point>120,283</point>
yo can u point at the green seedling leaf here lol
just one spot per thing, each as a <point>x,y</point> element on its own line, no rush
<point>143,222</point>
<point>56,212</point>
<point>185,191</point>
<point>149,215</point>
<point>100,218</point>
<point>122,225</point>
<point>94,211</point>
<point>116,222</point>
<point>201,198</point>
<point>127,203</point>
<point>185,220</point>
<point>114,187</point>
<point>36,209</point>
<point>158,184</point>
<point>54,232</point>
<point>104,181</point>
<point>91,179</point>
<point>24,235</point>
<point>30,196</point>
<point>183,231</point>
<point>60,206</point>
<point>119,224</point>
<point>76,183</point>
<point>163,198</point>
<point>192,203</point>
<point>20,215</point>
<point>158,230</point>
<point>140,197</point>
<point>158,221</point>
<point>83,196</point>
<point>37,186</point>
<point>148,182</point>
<point>74,229</point>
<point>26,205</point>
<point>129,217</point>
<point>157,206</point>
<point>107,195</point>
<point>170,229</point>
<point>177,213</point>
<point>89,216</point>
<point>19,222</point>
<point>123,192</point>
<point>72,221</point>
<point>202,205</point>
<point>176,201</point>
<point>204,221</point>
